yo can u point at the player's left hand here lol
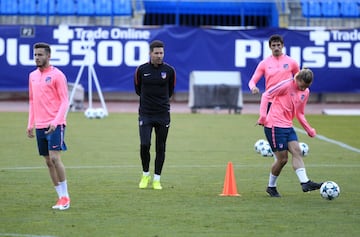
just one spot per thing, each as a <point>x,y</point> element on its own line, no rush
<point>51,129</point>
<point>261,121</point>
<point>311,132</point>
<point>255,90</point>
<point>259,124</point>
<point>30,132</point>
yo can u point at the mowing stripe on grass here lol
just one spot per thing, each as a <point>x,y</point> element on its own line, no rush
<point>22,235</point>
<point>238,166</point>
<point>323,138</point>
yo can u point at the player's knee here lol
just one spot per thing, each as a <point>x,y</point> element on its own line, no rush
<point>283,160</point>
<point>145,147</point>
<point>49,162</point>
<point>160,148</point>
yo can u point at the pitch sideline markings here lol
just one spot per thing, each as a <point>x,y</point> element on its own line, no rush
<point>323,138</point>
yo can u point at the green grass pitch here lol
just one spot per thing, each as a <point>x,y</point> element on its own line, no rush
<point>103,171</point>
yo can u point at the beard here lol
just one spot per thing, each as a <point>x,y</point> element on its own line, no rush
<point>40,64</point>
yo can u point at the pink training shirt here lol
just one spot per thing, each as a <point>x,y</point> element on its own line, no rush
<point>48,98</point>
<point>274,69</point>
<point>287,102</point>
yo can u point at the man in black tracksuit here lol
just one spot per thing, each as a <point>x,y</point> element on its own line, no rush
<point>154,83</point>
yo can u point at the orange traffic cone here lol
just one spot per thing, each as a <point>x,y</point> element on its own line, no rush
<point>229,183</point>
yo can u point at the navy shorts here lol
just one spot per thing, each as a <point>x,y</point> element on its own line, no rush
<point>52,141</point>
<point>279,138</point>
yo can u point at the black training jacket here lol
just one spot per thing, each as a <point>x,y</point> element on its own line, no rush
<point>155,86</point>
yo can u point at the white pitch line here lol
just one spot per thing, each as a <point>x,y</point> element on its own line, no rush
<point>323,138</point>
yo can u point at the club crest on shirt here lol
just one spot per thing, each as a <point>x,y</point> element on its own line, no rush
<point>163,75</point>
<point>302,97</point>
<point>281,145</point>
<point>48,80</point>
<point>286,66</point>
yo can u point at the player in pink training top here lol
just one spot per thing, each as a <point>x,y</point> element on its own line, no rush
<point>289,99</point>
<point>275,68</point>
<point>48,105</point>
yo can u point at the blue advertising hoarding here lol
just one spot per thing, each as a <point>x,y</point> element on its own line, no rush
<point>115,52</point>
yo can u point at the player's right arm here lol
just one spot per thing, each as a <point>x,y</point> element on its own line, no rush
<point>259,72</point>
<point>30,126</point>
<point>137,81</point>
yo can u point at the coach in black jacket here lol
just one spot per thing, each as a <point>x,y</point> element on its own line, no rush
<point>154,83</point>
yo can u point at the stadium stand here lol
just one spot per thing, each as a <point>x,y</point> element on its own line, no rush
<point>45,7</point>
<point>9,7</point>
<point>66,7</point>
<point>330,8</point>
<point>103,8</point>
<point>311,8</point>
<point>75,12</point>
<point>86,7</point>
<point>350,9</point>
<point>243,13</point>
<point>225,13</point>
<point>122,8</point>
<point>323,13</point>
<point>151,12</point>
<point>26,7</point>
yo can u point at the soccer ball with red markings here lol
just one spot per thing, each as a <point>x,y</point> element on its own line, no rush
<point>329,190</point>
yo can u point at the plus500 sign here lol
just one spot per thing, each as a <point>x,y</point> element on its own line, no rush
<point>108,53</point>
<point>334,55</point>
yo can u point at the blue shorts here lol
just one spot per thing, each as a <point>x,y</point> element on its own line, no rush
<point>52,141</point>
<point>279,138</point>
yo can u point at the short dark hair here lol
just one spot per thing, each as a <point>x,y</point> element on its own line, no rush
<point>156,44</point>
<point>276,38</point>
<point>306,75</point>
<point>42,45</point>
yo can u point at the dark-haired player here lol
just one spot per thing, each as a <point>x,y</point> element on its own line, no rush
<point>48,104</point>
<point>154,83</point>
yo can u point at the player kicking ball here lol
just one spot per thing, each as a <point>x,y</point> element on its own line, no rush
<point>289,99</point>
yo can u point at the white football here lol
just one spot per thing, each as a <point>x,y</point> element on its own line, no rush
<point>266,150</point>
<point>304,148</point>
<point>329,190</point>
<point>259,144</point>
<point>100,113</point>
<point>90,113</point>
